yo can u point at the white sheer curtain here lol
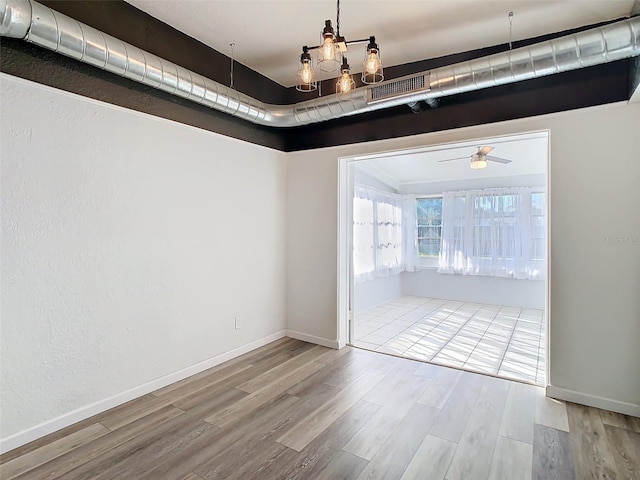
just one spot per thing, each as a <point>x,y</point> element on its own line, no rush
<point>409,229</point>
<point>494,232</point>
<point>377,233</point>
<point>363,234</point>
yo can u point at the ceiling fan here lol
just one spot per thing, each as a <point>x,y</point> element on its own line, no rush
<point>480,158</point>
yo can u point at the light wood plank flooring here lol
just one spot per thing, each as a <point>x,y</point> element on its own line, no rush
<point>292,410</point>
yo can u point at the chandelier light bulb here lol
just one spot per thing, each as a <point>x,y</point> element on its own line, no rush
<point>373,63</point>
<point>307,73</point>
<point>328,48</point>
<point>328,51</point>
<point>345,83</point>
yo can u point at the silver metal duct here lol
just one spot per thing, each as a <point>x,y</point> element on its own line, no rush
<point>47,28</point>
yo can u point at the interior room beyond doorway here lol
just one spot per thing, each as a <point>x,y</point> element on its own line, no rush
<point>450,255</point>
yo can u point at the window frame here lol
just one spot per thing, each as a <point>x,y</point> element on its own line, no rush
<point>542,215</point>
<point>427,261</point>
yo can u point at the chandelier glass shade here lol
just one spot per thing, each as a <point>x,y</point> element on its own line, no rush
<point>306,76</point>
<point>372,65</point>
<point>329,55</point>
<point>345,84</point>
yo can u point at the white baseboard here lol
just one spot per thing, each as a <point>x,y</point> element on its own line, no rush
<point>593,401</point>
<point>325,342</point>
<point>21,438</point>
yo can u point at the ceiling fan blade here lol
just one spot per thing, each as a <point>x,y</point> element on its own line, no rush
<point>451,159</point>
<point>498,160</point>
<point>485,150</point>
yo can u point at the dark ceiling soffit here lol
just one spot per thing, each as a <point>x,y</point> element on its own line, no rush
<point>596,85</point>
<point>590,86</point>
<point>127,23</point>
<point>121,20</point>
<point>36,64</point>
<point>634,77</point>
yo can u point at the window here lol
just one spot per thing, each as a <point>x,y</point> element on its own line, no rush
<point>496,232</point>
<point>538,226</point>
<point>429,223</point>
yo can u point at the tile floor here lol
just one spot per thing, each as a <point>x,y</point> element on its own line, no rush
<point>504,341</point>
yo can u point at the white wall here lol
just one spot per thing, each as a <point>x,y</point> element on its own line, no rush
<point>361,177</point>
<point>467,288</point>
<point>430,283</point>
<point>129,243</point>
<point>434,188</point>
<point>377,291</point>
<point>594,193</point>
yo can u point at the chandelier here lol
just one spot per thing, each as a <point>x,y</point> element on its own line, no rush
<point>331,57</point>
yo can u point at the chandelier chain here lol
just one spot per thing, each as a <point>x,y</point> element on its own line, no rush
<point>338,18</point>
<point>233,46</point>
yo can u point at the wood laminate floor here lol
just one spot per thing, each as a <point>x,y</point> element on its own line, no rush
<point>292,410</point>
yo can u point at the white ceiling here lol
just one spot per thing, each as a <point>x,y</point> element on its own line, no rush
<point>269,34</point>
<point>528,154</point>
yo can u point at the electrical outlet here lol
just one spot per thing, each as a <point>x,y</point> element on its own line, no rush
<point>238,323</point>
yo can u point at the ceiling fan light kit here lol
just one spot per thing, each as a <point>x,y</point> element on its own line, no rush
<point>478,161</point>
<point>331,58</point>
<point>481,158</point>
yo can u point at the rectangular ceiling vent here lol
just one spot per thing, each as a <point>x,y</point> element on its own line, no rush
<point>400,87</point>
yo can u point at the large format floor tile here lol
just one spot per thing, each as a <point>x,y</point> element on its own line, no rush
<point>492,339</point>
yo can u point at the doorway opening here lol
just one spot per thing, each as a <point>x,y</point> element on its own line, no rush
<point>446,262</point>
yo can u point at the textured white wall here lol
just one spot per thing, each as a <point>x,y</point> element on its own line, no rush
<point>594,193</point>
<point>129,243</point>
<point>312,251</point>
